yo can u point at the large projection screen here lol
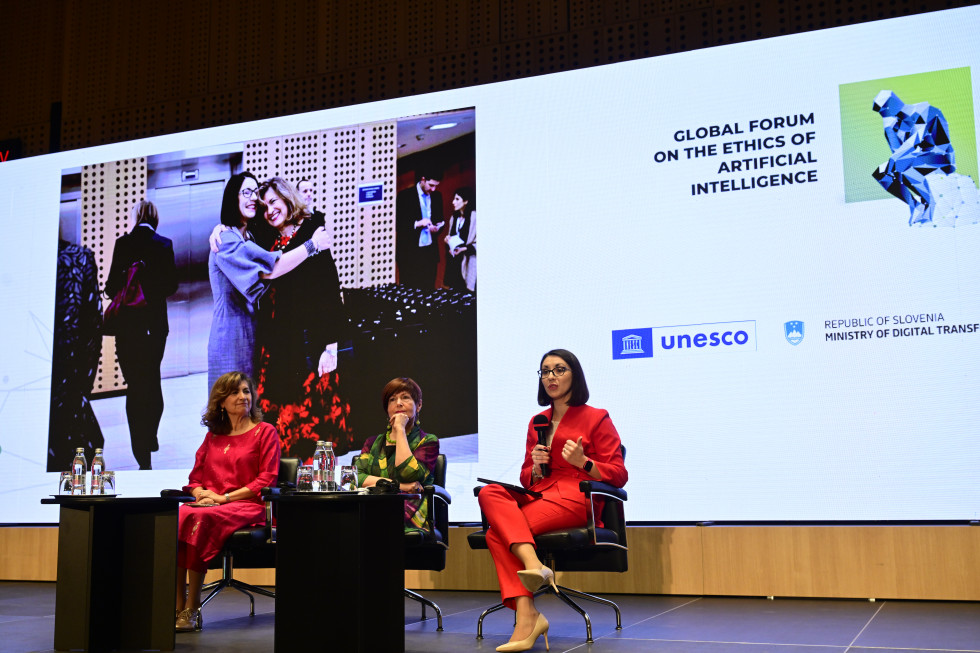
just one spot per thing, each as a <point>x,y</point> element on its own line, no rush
<point>773,287</point>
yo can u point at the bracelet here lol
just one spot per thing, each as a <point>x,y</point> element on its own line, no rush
<point>227,498</point>
<point>311,249</point>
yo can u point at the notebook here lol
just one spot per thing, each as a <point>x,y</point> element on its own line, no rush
<point>509,486</point>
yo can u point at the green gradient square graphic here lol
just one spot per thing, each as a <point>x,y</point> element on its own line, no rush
<point>863,134</point>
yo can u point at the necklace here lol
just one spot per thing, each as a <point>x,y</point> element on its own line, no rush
<point>283,239</point>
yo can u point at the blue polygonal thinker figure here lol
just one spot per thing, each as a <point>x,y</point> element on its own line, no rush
<point>918,136</point>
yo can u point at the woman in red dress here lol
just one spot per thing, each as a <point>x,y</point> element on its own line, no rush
<point>589,448</point>
<point>239,457</point>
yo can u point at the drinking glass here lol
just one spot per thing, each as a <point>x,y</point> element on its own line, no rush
<point>64,483</point>
<point>108,483</point>
<point>304,478</point>
<point>348,478</point>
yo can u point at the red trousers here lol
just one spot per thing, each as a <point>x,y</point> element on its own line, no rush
<point>514,518</point>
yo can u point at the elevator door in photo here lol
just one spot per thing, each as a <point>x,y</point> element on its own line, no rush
<point>188,213</point>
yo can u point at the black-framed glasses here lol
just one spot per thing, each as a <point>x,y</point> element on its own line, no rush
<point>248,193</point>
<point>559,370</point>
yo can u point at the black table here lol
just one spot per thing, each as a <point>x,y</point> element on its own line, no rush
<point>117,561</point>
<point>340,572</point>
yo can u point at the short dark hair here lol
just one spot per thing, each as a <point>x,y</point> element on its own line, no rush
<point>580,389</point>
<point>401,384</point>
<point>230,215</point>
<point>227,384</point>
<point>428,171</point>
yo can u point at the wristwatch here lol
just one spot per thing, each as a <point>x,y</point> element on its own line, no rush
<point>587,467</point>
<point>228,498</point>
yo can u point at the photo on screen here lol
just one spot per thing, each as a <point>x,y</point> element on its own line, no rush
<point>322,339</point>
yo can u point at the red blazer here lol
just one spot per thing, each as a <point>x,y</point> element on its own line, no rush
<point>601,443</point>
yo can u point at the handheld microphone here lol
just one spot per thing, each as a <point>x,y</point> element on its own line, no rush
<point>541,425</point>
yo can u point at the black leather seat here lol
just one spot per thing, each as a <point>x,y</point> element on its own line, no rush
<point>427,550</point>
<point>253,547</point>
<point>578,549</point>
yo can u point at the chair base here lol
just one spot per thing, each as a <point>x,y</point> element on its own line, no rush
<point>562,593</point>
<point>415,596</point>
<point>228,580</point>
<point>244,588</point>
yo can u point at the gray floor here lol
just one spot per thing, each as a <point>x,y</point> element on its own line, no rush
<point>669,624</point>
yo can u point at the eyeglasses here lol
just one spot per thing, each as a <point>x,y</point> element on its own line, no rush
<point>248,193</point>
<point>557,371</point>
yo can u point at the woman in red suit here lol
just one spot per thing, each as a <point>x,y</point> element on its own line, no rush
<point>239,457</point>
<point>588,448</point>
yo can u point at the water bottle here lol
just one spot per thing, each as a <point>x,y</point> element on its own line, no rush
<point>320,466</point>
<point>330,467</point>
<point>98,466</point>
<point>78,468</point>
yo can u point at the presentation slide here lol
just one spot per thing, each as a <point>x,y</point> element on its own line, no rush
<point>766,256</point>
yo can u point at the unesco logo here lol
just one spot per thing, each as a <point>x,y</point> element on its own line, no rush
<point>684,339</point>
<point>632,343</point>
<point>713,339</point>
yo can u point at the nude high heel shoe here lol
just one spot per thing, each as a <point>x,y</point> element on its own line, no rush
<point>534,579</point>
<point>540,627</point>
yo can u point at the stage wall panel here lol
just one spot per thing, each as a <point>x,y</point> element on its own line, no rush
<point>855,562</point>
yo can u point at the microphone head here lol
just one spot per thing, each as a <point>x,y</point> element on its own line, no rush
<point>540,420</point>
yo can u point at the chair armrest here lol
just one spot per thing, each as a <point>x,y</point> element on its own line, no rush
<point>438,491</point>
<point>180,495</point>
<point>271,493</point>
<point>605,489</point>
<point>429,494</point>
<point>602,489</point>
<point>266,494</point>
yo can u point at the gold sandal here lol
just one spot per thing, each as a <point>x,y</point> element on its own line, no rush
<point>189,621</point>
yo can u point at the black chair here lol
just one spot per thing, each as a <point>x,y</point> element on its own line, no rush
<point>577,549</point>
<point>426,551</point>
<point>252,547</point>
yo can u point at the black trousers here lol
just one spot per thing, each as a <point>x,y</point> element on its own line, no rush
<point>419,268</point>
<point>140,356</point>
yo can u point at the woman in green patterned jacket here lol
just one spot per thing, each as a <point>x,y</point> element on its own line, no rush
<point>404,453</point>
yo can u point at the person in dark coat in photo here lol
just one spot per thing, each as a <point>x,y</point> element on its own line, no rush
<point>142,335</point>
